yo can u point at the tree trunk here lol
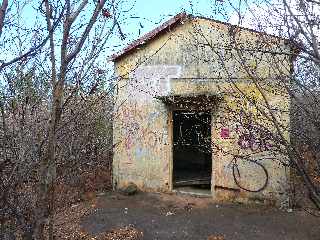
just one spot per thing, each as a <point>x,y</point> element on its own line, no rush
<point>47,172</point>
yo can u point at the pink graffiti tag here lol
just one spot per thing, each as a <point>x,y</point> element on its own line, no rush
<point>225,133</point>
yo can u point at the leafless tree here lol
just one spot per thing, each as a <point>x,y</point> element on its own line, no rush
<point>3,10</point>
<point>291,23</point>
<point>56,104</point>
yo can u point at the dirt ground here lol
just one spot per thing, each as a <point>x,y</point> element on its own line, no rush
<point>165,217</point>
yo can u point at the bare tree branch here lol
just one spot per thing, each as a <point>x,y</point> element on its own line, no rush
<point>86,32</point>
<point>3,10</point>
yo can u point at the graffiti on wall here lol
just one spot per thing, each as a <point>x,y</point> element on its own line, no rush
<point>141,116</point>
<point>255,146</point>
<point>138,132</point>
<point>255,139</point>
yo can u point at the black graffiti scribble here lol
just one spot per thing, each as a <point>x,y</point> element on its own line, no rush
<point>257,139</point>
<point>237,176</point>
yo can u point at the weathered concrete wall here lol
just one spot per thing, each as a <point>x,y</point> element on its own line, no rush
<point>141,125</point>
<point>179,63</point>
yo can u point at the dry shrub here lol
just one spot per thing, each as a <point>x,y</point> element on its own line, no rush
<point>83,157</point>
<point>98,179</point>
<point>88,184</point>
<point>216,237</point>
<point>301,197</point>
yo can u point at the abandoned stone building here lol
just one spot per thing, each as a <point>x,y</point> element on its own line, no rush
<point>172,131</point>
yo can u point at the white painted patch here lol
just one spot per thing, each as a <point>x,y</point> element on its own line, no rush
<point>150,81</point>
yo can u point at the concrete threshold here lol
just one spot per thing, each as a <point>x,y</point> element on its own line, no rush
<point>205,193</point>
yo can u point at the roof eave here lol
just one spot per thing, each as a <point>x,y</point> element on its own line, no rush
<point>149,36</point>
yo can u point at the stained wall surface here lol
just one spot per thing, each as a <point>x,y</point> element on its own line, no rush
<point>197,57</point>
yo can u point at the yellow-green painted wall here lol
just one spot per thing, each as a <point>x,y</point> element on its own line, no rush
<point>187,60</point>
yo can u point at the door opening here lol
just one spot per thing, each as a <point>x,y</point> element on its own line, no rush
<point>192,154</point>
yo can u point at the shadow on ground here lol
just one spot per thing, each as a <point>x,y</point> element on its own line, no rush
<point>166,217</point>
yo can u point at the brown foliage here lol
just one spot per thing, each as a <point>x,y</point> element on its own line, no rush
<point>123,233</point>
<point>83,157</point>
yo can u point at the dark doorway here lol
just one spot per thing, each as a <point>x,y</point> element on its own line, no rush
<point>192,154</point>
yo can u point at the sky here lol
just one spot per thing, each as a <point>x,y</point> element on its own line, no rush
<point>147,14</point>
<point>157,9</point>
<point>144,15</point>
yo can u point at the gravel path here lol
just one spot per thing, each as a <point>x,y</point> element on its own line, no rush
<point>166,217</point>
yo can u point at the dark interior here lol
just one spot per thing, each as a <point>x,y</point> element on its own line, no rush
<point>192,158</point>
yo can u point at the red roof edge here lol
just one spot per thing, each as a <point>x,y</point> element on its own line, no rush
<point>150,35</point>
